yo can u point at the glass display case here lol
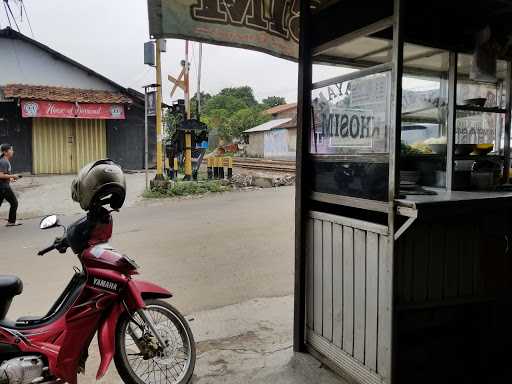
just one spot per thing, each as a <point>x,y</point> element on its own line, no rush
<point>349,142</point>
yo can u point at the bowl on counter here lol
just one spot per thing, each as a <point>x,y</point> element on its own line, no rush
<point>440,149</point>
<point>483,149</point>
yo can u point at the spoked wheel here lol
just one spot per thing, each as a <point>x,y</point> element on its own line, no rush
<point>140,358</point>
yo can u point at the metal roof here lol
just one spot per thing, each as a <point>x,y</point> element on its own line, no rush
<point>280,108</point>
<point>269,125</point>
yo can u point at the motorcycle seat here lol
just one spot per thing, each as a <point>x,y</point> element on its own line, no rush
<point>10,286</point>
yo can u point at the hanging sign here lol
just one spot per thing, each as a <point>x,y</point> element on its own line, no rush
<point>270,26</point>
<point>151,106</point>
<point>65,110</point>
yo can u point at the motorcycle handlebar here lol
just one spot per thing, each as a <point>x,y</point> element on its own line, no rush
<point>60,244</point>
<point>46,250</point>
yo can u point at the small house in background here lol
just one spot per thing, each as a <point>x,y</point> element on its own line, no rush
<point>275,139</point>
<point>60,115</point>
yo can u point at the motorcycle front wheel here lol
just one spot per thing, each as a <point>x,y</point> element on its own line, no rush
<point>140,359</point>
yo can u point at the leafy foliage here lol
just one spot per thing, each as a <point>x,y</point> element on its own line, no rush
<point>245,119</point>
<point>193,103</point>
<point>245,94</point>
<point>186,188</point>
<point>273,101</point>
<point>228,113</point>
<point>232,111</point>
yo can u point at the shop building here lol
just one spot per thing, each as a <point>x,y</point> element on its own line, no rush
<point>59,115</point>
<point>275,139</point>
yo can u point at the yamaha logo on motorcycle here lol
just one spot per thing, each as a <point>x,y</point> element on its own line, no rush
<point>105,284</point>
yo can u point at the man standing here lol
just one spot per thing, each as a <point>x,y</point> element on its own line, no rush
<point>6,154</point>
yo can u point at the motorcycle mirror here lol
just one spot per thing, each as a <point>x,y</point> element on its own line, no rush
<point>49,222</point>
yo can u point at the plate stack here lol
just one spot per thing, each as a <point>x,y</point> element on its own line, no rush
<point>408,179</point>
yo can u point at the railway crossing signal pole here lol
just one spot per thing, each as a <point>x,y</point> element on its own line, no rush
<point>183,82</point>
<point>188,135</point>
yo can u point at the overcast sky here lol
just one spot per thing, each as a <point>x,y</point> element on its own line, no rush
<point>108,37</point>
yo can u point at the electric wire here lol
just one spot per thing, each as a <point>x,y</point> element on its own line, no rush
<point>7,14</point>
<point>23,8</point>
<point>6,4</point>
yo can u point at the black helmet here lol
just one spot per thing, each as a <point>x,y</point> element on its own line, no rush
<point>99,183</point>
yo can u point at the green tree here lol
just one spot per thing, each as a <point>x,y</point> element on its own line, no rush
<point>218,120</point>
<point>231,111</point>
<point>273,101</point>
<point>230,104</point>
<point>205,97</point>
<point>171,123</point>
<point>244,94</point>
<point>245,119</point>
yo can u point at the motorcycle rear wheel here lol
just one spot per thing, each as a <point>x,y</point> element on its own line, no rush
<point>174,365</point>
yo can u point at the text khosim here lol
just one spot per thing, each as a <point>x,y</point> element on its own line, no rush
<point>348,123</point>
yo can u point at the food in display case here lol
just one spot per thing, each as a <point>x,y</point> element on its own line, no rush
<point>437,144</point>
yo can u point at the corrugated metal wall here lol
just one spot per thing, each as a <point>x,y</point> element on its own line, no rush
<point>91,141</point>
<point>125,139</point>
<point>52,151</point>
<point>62,146</point>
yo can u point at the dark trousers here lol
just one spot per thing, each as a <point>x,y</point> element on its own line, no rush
<point>7,194</point>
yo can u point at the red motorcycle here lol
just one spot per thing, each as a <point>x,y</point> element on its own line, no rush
<point>149,340</point>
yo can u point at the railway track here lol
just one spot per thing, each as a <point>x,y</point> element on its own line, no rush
<point>287,166</point>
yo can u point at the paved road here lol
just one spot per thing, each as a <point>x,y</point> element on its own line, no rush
<point>211,251</point>
<point>39,195</point>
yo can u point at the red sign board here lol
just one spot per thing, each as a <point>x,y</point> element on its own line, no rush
<point>64,110</point>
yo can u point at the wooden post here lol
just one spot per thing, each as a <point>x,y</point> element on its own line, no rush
<point>221,168</point>
<point>301,192</point>
<point>209,168</point>
<point>230,167</point>
<point>215,168</point>
<point>188,156</point>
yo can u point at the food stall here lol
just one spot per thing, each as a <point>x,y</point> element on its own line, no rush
<point>403,220</point>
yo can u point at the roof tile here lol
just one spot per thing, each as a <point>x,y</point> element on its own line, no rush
<point>43,92</point>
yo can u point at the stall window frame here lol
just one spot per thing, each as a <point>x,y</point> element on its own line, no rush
<point>392,119</point>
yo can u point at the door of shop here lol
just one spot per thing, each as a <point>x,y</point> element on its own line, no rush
<point>63,146</point>
<point>90,141</point>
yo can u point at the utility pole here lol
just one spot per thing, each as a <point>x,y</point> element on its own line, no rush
<point>188,135</point>
<point>146,136</point>
<point>150,108</point>
<point>199,82</point>
<point>159,157</point>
